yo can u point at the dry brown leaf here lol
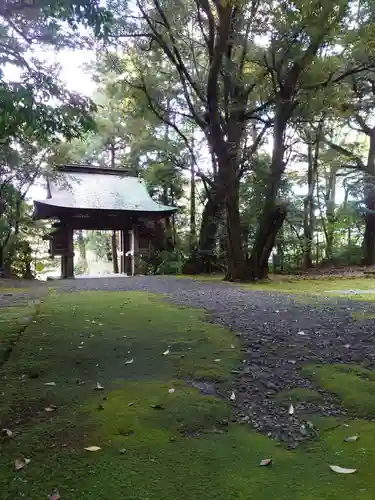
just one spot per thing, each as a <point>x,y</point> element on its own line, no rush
<point>93,448</point>
<point>20,463</point>
<point>341,470</point>
<point>55,495</point>
<point>265,462</point>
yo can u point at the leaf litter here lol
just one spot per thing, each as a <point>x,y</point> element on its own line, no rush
<point>20,463</point>
<point>342,470</point>
<point>351,439</point>
<point>265,462</point>
<point>50,408</point>
<point>55,495</point>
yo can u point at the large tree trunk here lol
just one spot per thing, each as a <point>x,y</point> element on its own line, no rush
<point>2,261</point>
<point>236,269</point>
<point>369,236</point>
<point>273,215</point>
<point>308,204</point>
<point>211,216</point>
<point>330,213</point>
<point>193,229</point>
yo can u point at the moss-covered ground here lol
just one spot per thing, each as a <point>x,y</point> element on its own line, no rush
<point>294,284</point>
<point>157,444</point>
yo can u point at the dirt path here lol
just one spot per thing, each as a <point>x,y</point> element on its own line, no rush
<point>280,334</point>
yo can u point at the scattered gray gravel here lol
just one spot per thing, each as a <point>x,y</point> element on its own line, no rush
<point>20,292</point>
<point>279,335</point>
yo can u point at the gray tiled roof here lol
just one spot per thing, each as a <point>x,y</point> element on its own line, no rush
<point>102,191</point>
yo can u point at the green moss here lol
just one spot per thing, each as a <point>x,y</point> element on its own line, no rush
<point>363,315</point>
<point>354,385</point>
<point>12,321</point>
<point>188,448</point>
<point>308,290</point>
<point>298,395</point>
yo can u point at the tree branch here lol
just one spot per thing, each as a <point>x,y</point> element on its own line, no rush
<point>349,154</point>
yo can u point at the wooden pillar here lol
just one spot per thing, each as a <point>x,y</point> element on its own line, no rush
<point>136,250</point>
<point>67,260</point>
<point>125,261</point>
<point>121,252</point>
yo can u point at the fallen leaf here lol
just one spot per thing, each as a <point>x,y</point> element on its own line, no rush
<point>50,383</point>
<point>55,495</point>
<point>93,448</point>
<point>20,463</point>
<point>129,362</point>
<point>99,386</point>
<point>7,432</point>
<point>351,439</point>
<point>217,360</point>
<point>265,462</point>
<point>341,470</point>
<point>171,391</point>
<point>232,396</point>
<point>50,408</point>
<point>291,410</point>
<point>165,353</point>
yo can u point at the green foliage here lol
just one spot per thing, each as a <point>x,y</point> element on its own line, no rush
<point>171,262</point>
<point>100,243</point>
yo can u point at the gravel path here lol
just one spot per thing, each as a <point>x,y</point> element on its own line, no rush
<point>20,292</point>
<point>279,335</point>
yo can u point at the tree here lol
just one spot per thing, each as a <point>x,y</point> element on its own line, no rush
<point>26,102</point>
<point>227,82</point>
<point>35,109</point>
